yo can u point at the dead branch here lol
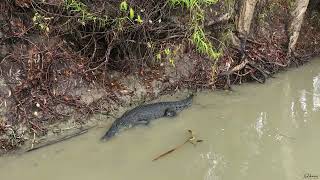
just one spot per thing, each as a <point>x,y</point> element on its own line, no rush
<point>192,139</point>
<point>64,138</point>
<point>236,68</point>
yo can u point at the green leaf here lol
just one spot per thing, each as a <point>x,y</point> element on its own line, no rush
<point>158,56</point>
<point>167,51</point>
<point>171,60</point>
<point>139,20</point>
<point>131,14</point>
<point>34,18</point>
<point>123,6</point>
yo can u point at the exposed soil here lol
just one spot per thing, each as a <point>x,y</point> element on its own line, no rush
<point>57,79</point>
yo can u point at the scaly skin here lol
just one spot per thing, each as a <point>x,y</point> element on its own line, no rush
<point>145,113</point>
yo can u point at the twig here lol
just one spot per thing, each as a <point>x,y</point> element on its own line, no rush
<point>106,58</point>
<point>255,42</point>
<point>66,137</point>
<point>236,68</point>
<point>170,151</point>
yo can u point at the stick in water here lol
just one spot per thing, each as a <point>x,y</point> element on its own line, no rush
<point>78,133</point>
<point>191,139</point>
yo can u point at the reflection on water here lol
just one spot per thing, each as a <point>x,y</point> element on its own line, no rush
<point>303,102</point>
<point>256,132</point>
<point>316,93</point>
<point>261,121</point>
<point>214,161</point>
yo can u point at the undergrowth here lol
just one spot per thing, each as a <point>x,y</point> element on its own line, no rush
<point>129,18</point>
<point>198,37</point>
<point>77,7</point>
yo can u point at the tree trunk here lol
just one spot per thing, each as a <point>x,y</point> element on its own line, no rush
<point>244,14</point>
<point>297,15</point>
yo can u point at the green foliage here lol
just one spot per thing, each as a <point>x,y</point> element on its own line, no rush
<point>77,7</point>
<point>158,56</point>
<point>41,22</point>
<point>198,37</point>
<point>202,44</point>
<point>291,4</point>
<point>191,3</point>
<point>139,20</point>
<point>167,51</point>
<point>74,6</point>
<point>168,55</point>
<point>131,14</point>
<point>124,6</point>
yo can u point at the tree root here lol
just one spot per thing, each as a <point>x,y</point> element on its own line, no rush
<point>254,64</point>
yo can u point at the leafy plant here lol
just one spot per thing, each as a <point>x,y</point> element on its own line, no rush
<point>198,37</point>
<point>202,44</point>
<point>124,6</point>
<point>191,3</point>
<point>74,6</point>
<point>131,14</point>
<point>166,54</point>
<point>41,22</point>
<point>139,19</point>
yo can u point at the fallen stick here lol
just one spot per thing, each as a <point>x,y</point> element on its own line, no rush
<point>191,139</point>
<point>170,151</point>
<point>236,68</point>
<point>55,141</point>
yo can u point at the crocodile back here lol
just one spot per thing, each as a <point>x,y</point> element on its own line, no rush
<point>156,110</point>
<point>146,113</point>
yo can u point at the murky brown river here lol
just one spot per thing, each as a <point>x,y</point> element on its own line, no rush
<point>269,131</point>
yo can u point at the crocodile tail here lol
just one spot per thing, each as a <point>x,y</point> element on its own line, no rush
<point>106,137</point>
<point>110,133</point>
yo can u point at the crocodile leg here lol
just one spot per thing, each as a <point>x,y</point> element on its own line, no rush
<point>170,113</point>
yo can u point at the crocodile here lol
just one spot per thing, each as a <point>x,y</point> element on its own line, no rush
<point>145,113</point>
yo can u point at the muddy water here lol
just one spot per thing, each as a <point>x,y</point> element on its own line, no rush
<point>261,132</point>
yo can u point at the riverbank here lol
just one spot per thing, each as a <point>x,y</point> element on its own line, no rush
<point>242,137</point>
<point>52,83</point>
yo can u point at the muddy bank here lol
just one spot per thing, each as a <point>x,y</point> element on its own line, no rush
<point>63,63</point>
<point>279,134</point>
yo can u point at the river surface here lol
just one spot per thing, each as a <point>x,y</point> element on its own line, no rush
<point>269,131</point>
